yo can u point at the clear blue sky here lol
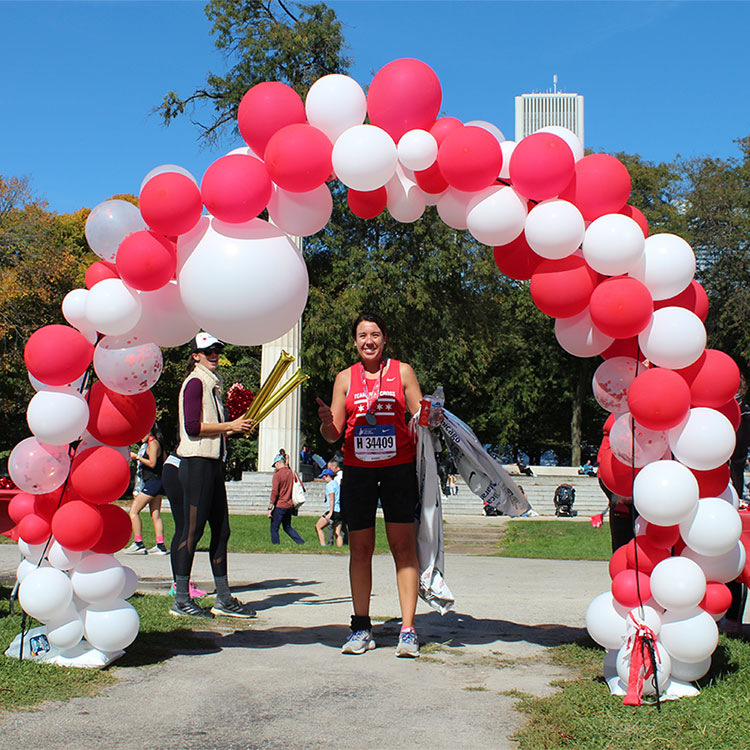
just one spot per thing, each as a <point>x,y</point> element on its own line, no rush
<point>81,78</point>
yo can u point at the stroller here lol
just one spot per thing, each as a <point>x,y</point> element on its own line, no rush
<point>565,496</point>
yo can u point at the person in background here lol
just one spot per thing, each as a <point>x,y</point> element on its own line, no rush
<point>332,517</point>
<point>281,505</point>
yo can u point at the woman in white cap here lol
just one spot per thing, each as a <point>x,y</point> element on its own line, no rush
<point>202,452</point>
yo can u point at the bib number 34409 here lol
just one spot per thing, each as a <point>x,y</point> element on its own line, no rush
<point>375,443</point>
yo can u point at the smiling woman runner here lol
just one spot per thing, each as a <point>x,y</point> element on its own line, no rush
<point>368,406</point>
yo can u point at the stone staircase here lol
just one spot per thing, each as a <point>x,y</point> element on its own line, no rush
<point>251,494</point>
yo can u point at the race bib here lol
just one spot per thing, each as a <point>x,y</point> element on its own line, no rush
<point>374,442</point>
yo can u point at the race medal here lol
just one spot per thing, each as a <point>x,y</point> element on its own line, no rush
<point>371,418</point>
<point>375,443</point>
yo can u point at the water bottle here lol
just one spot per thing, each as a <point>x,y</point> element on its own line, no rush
<point>436,407</point>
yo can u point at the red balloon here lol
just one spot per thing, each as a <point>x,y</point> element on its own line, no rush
<point>658,399</point>
<point>623,348</point>
<point>470,158</point>
<point>404,95</point>
<point>694,298</point>
<point>731,410</point>
<point>298,158</point>
<point>236,188</point>
<point>600,185</point>
<point>618,562</point>
<point>367,204</point>
<point>516,259</point>
<point>713,482</point>
<point>171,203</point>
<point>621,307</point>
<point>21,506</point>
<point>630,589</point>
<point>116,419</point>
<point>717,599</point>
<point>77,525</point>
<point>662,536</point>
<point>116,530</point>
<point>57,355</point>
<point>637,216</point>
<point>608,422</point>
<point>431,180</point>
<point>45,505</point>
<point>100,474</point>
<point>100,270</point>
<point>541,165</point>
<point>644,555</point>
<point>617,477</point>
<point>562,288</point>
<point>34,529</point>
<point>146,260</point>
<point>266,108</point>
<point>443,126</point>
<point>713,379</point>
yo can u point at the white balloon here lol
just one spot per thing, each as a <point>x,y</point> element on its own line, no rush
<point>74,311</point>
<point>658,680</point>
<point>417,149</point>
<point>647,615</point>
<point>689,635</point>
<point>507,147</point>
<point>61,558</point>
<point>112,307</point>
<point>720,568</point>
<point>626,434</point>
<point>57,416</point>
<point>300,214</point>
<point>613,244</point>
<point>579,336</point>
<point>111,626</point>
<point>364,157</point>
<point>496,215</point>
<point>568,136</point>
<point>334,104</point>
<point>605,624</point>
<point>37,385</point>
<point>164,320</point>
<point>713,529</point>
<point>131,583</point>
<point>666,267</point>
<point>690,671</point>
<point>705,440</point>
<point>675,338</point>
<point>452,207</point>
<point>611,382</point>
<point>109,224</point>
<point>554,229</point>
<point>31,552</point>
<point>89,441</point>
<point>489,127</point>
<point>45,593</point>
<point>98,578</point>
<point>26,566</point>
<point>126,365</point>
<point>730,496</point>
<point>406,201</point>
<point>164,169</point>
<point>246,283</point>
<point>678,583</point>
<point>665,492</point>
<point>65,630</point>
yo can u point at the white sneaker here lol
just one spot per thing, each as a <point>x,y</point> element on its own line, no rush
<point>358,642</point>
<point>408,644</point>
<point>136,548</point>
<point>158,549</point>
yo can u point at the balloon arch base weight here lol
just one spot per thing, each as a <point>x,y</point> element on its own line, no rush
<point>673,690</point>
<point>37,648</point>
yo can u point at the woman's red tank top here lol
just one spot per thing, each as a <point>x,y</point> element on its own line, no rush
<point>387,442</point>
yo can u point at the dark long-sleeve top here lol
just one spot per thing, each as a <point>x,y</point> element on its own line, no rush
<point>192,405</point>
<point>281,489</point>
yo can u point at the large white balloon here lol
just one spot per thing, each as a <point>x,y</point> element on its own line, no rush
<point>611,382</point>
<point>626,434</point>
<point>45,593</point>
<point>65,630</point>
<point>245,283</point>
<point>665,492</point>
<point>678,583</point>
<point>127,366</point>
<point>689,671</point>
<point>605,623</point>
<point>713,529</point>
<point>613,244</point>
<point>31,552</point>
<point>112,307</point>
<point>406,201</point>
<point>61,558</point>
<point>109,224</point>
<point>705,440</point>
<point>675,338</point>
<point>300,214</point>
<point>554,229</point>
<point>689,635</point>
<point>666,267</point>
<point>98,578</point>
<point>496,215</point>
<point>165,321</point>
<point>364,157</point>
<point>579,336</point>
<point>658,680</point>
<point>721,568</point>
<point>57,416</point>
<point>74,311</point>
<point>111,626</point>
<point>417,149</point>
<point>334,104</point>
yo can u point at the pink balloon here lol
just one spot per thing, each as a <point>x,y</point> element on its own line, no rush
<point>562,288</point>
<point>600,185</point>
<point>659,399</point>
<point>621,307</point>
<point>541,166</point>
<point>713,379</point>
<point>694,298</point>
<point>470,158</point>
<point>516,259</point>
<point>146,260</point>
<point>171,203</point>
<point>298,158</point>
<point>266,108</point>
<point>236,188</point>
<point>57,355</point>
<point>367,204</point>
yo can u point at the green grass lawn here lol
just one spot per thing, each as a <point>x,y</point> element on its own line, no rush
<point>555,540</point>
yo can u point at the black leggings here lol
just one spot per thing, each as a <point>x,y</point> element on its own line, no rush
<point>205,500</point>
<point>170,480</point>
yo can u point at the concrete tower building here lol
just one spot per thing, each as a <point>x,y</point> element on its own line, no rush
<point>534,111</point>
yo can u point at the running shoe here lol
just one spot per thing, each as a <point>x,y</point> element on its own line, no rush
<point>195,592</point>
<point>232,608</point>
<point>358,642</point>
<point>136,548</point>
<point>189,609</point>
<point>408,644</point>
<point>158,549</point>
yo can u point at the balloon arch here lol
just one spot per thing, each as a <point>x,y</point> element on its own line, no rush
<point>553,216</point>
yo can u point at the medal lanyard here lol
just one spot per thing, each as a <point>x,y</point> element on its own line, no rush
<point>372,396</point>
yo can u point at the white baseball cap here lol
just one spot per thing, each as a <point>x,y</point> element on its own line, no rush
<point>204,340</point>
